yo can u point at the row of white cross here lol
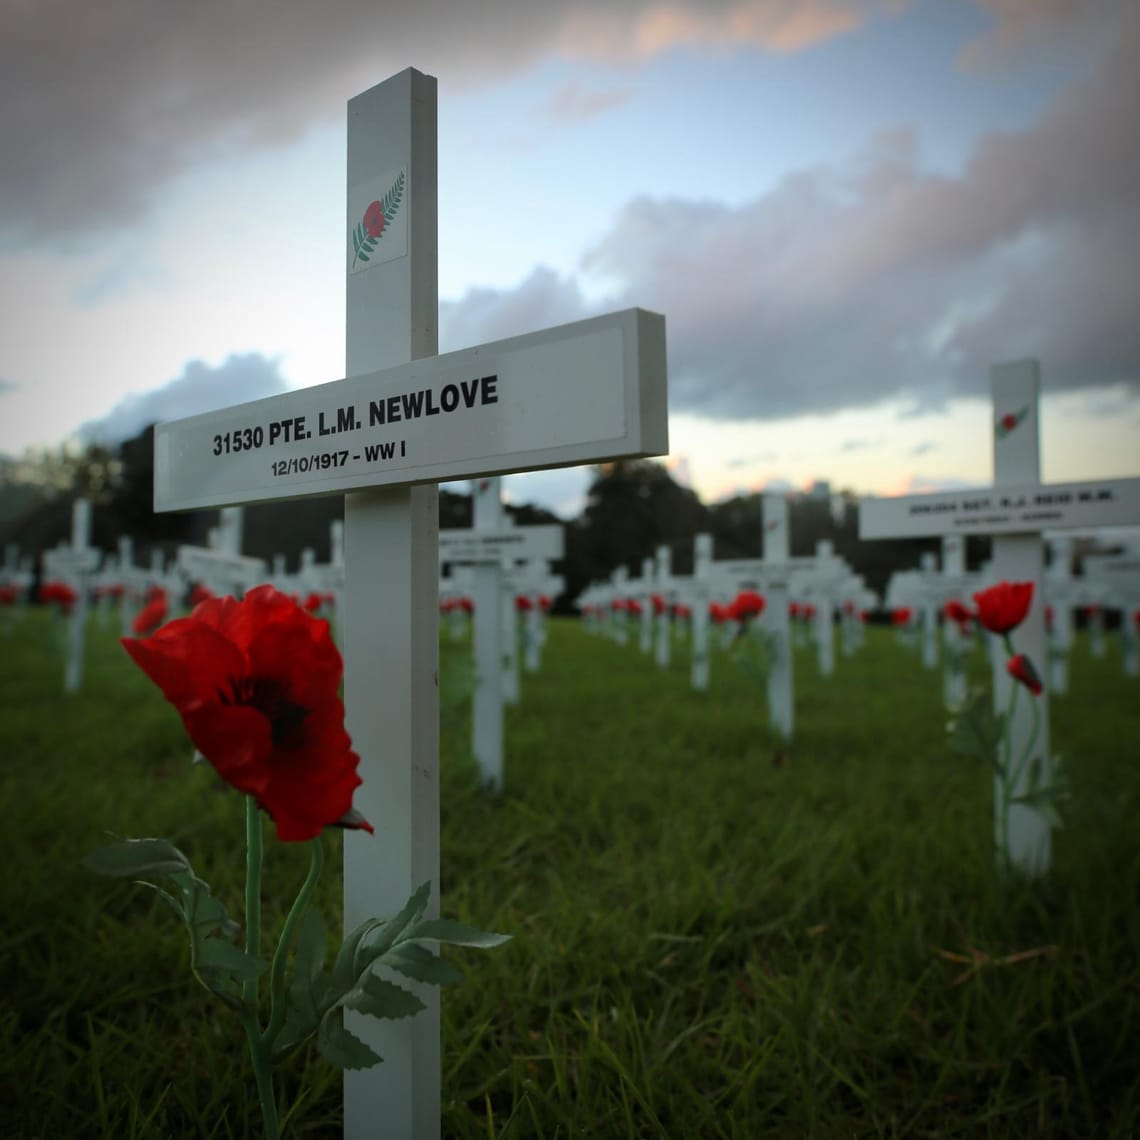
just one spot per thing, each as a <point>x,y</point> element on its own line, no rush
<point>406,419</point>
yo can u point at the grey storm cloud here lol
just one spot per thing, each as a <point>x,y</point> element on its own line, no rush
<point>847,285</point>
<point>102,103</point>
<point>200,388</point>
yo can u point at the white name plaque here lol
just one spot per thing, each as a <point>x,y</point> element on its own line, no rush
<point>1003,510</point>
<point>529,542</point>
<point>574,394</point>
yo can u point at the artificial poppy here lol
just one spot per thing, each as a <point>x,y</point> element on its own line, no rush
<point>544,602</point>
<point>682,612</point>
<point>60,594</point>
<point>200,594</point>
<point>659,604</point>
<point>1003,607</point>
<point>523,604</point>
<point>747,604</point>
<point>901,615</point>
<point>718,613</point>
<point>1020,668</point>
<point>256,684</point>
<point>793,609</point>
<point>956,611</point>
<point>8,595</point>
<point>467,605</point>
<point>152,615</point>
<point>633,607</point>
<point>313,602</point>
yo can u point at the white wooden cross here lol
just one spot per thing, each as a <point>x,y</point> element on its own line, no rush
<point>1016,510</point>
<point>1118,579</point>
<point>488,546</point>
<point>75,564</point>
<point>404,420</point>
<point>663,587</point>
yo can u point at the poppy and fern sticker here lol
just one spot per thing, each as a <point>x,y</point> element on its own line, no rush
<point>1009,422</point>
<point>380,232</point>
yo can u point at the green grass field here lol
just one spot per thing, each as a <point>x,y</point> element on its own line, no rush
<point>707,942</point>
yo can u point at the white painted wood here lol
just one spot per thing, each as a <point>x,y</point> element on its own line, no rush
<point>1018,558</point>
<point>663,573</point>
<point>84,565</point>
<point>390,626</point>
<point>1021,508</point>
<point>645,600</point>
<point>701,654</point>
<point>599,383</point>
<point>487,699</point>
<point>781,671</point>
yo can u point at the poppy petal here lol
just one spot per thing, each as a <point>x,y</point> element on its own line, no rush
<point>191,663</point>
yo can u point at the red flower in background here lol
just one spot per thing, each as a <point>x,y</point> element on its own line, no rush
<point>256,684</point>
<point>1048,617</point>
<point>633,607</point>
<point>374,220</point>
<point>747,604</point>
<point>718,613</point>
<point>1136,620</point>
<point>58,594</point>
<point>152,615</point>
<point>544,602</point>
<point>8,595</point>
<point>955,610</point>
<point>200,594</point>
<point>793,609</point>
<point>523,604</point>
<point>313,602</point>
<point>807,612</point>
<point>1003,607</point>
<point>1009,421</point>
<point>659,605</point>
<point>849,608</point>
<point>467,605</point>
<point>682,611</point>
<point>901,615</point>
<point>1020,668</point>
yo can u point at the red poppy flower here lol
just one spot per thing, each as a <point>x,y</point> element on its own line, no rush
<point>200,594</point>
<point>467,605</point>
<point>523,604</point>
<point>849,608</point>
<point>633,607</point>
<point>747,604</point>
<point>659,605</point>
<point>793,609</point>
<point>1020,668</point>
<point>544,602</point>
<point>152,615</point>
<point>901,615</point>
<point>1003,607</point>
<point>255,683</point>
<point>374,220</point>
<point>8,595</point>
<point>682,611</point>
<point>313,602</point>
<point>1048,617</point>
<point>717,612</point>
<point>954,610</point>
<point>1136,620</point>
<point>116,590</point>
<point>807,612</point>
<point>59,594</point>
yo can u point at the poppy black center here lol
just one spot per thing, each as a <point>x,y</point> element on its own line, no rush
<point>286,718</point>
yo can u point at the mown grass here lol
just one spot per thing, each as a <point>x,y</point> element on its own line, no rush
<point>710,938</point>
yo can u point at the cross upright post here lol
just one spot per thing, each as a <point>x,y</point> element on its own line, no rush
<point>391,651</point>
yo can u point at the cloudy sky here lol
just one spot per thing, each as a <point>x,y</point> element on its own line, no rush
<point>846,209</point>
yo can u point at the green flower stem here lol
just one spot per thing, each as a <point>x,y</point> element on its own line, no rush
<point>1006,764</point>
<point>258,1053</point>
<point>253,849</point>
<point>280,956</point>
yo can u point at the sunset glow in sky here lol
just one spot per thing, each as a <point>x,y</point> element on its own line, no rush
<point>846,209</point>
